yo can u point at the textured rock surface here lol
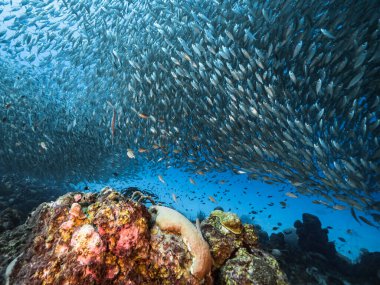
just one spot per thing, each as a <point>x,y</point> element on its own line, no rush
<point>224,242</point>
<point>255,267</point>
<point>94,239</point>
<point>106,239</point>
<point>100,239</point>
<point>237,258</point>
<point>169,259</point>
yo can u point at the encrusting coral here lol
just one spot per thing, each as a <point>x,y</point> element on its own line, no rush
<point>105,238</point>
<point>255,267</point>
<point>88,237</point>
<point>237,258</point>
<point>229,221</point>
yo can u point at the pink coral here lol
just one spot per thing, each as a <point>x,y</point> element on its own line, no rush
<point>67,225</point>
<point>112,272</point>
<point>61,249</point>
<point>127,240</point>
<point>76,211</point>
<point>77,197</point>
<point>88,245</point>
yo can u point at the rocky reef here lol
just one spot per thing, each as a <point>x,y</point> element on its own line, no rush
<point>107,238</point>
<point>113,238</point>
<point>308,257</point>
<point>237,257</point>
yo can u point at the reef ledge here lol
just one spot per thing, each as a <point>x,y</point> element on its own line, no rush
<point>107,238</point>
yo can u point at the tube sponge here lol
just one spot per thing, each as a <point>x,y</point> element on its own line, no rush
<point>170,220</point>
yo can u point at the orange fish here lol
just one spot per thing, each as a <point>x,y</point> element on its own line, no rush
<point>212,199</point>
<point>143,116</point>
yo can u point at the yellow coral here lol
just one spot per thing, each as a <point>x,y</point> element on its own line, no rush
<point>229,221</point>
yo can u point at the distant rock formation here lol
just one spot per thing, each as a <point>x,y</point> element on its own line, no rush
<point>311,236</point>
<point>310,258</point>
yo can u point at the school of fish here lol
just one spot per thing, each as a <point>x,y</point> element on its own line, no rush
<point>281,91</point>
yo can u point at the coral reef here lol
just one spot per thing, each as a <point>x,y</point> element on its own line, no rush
<point>237,258</point>
<point>97,238</point>
<point>170,258</point>
<point>255,267</point>
<point>105,238</point>
<point>224,242</point>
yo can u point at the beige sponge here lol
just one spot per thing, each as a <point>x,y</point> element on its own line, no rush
<point>170,220</point>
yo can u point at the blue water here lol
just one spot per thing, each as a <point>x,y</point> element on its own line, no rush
<point>238,194</point>
<point>231,192</point>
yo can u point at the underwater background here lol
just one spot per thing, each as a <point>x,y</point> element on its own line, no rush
<point>255,202</point>
<point>268,109</point>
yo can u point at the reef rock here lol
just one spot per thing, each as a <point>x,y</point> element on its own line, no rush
<point>255,267</point>
<point>105,238</point>
<point>311,236</point>
<point>237,258</point>
<point>86,239</point>
<point>225,234</point>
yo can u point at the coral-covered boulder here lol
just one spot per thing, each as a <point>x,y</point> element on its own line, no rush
<point>171,258</point>
<point>105,238</point>
<point>237,258</point>
<point>86,239</point>
<point>255,267</point>
<point>225,233</point>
